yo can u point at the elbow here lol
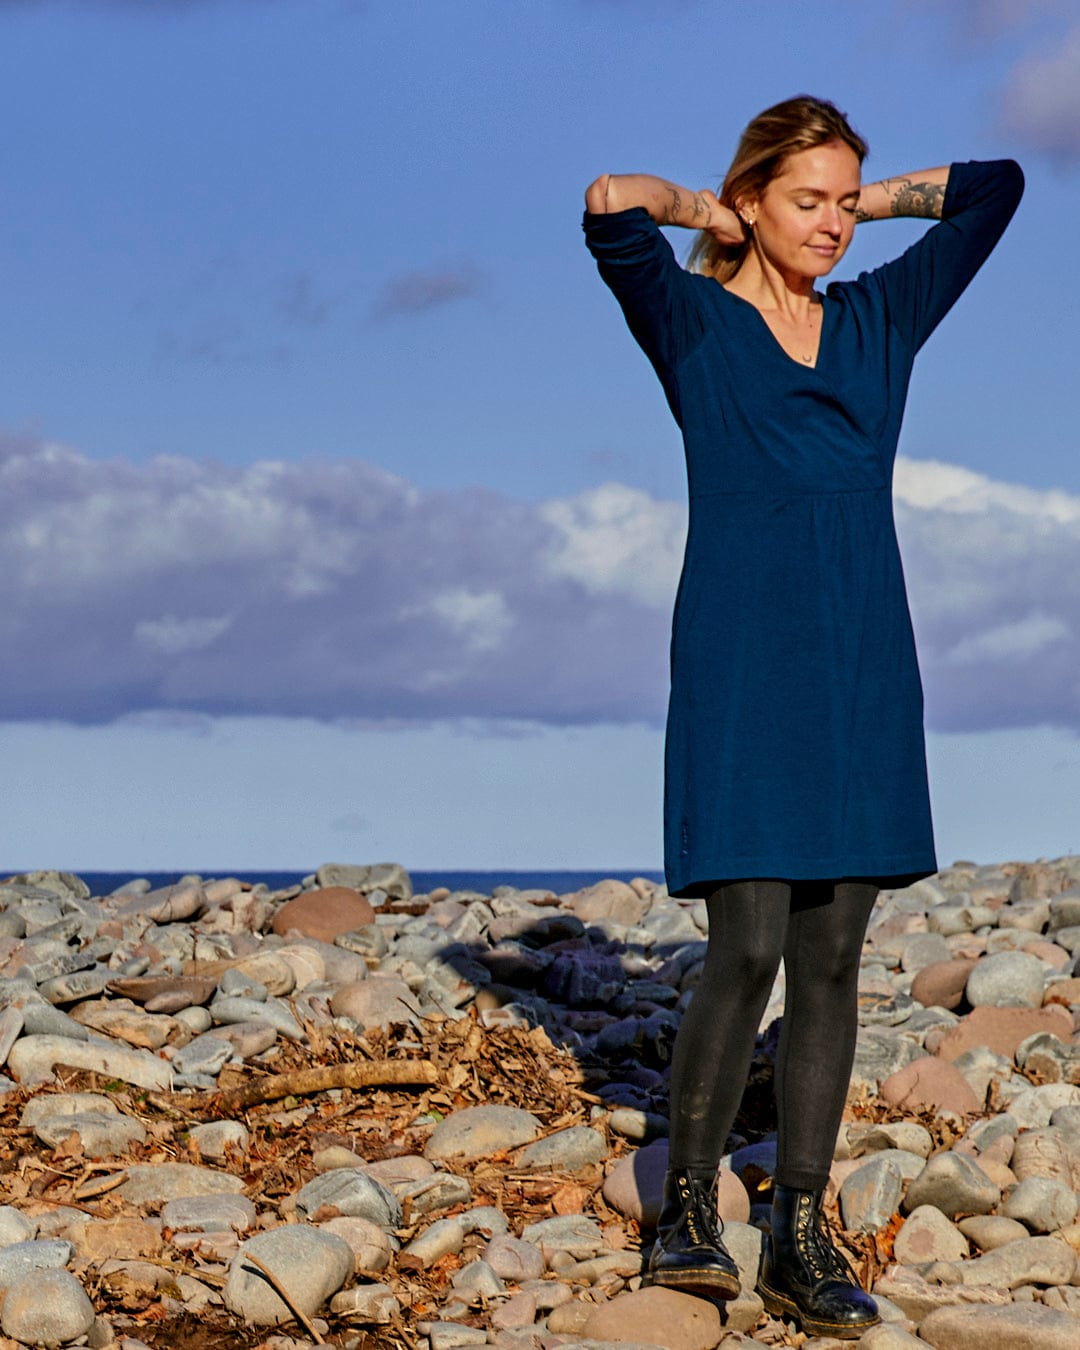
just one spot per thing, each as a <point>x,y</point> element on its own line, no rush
<point>1014,175</point>
<point>598,195</point>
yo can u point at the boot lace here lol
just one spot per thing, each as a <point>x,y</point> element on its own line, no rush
<point>816,1243</point>
<point>698,1213</point>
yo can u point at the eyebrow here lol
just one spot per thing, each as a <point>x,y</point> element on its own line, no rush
<point>817,192</point>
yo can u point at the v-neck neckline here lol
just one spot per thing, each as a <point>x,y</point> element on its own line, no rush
<point>781,349</point>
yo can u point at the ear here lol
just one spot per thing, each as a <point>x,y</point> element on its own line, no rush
<point>746,209</point>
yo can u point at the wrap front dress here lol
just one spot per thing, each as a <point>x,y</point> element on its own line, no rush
<point>795,744</point>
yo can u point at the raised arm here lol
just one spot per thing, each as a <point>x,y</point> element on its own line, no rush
<point>666,203</point>
<point>910,194</point>
<point>970,203</point>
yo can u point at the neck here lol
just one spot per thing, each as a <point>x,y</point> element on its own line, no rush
<point>765,286</point>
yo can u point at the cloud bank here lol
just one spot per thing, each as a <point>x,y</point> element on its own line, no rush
<point>329,589</point>
<point>994,577</point>
<point>335,590</point>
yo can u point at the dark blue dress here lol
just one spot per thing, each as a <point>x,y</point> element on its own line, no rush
<point>795,725</point>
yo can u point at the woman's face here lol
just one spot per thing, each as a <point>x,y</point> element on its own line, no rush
<point>804,219</point>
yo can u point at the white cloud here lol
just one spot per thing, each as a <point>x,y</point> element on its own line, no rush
<point>619,540</point>
<point>336,591</point>
<point>480,617</point>
<point>929,485</point>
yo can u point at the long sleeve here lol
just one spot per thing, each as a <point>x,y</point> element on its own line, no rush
<point>922,285</point>
<point>637,263</point>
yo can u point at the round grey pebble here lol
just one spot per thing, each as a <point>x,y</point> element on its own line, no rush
<point>46,1307</point>
<point>1007,980</point>
<point>310,1264</point>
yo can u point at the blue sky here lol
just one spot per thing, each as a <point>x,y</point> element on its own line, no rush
<point>342,516</point>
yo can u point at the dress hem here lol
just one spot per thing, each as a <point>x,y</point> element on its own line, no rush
<point>904,872</point>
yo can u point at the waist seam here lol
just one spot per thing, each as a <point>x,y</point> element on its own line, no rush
<point>785,496</point>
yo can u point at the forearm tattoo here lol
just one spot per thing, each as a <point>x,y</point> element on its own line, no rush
<point>699,209</point>
<point>671,215</point>
<point>915,199</point>
<point>861,215</point>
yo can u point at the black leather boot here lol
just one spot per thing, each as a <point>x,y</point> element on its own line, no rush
<point>803,1275</point>
<point>689,1253</point>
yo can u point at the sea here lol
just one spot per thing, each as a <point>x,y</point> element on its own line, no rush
<point>561,882</point>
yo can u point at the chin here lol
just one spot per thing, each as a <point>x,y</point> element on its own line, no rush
<point>823,269</point>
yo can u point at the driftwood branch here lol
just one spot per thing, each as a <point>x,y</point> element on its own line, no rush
<point>305,1082</point>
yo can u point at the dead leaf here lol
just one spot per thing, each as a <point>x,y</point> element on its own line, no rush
<point>570,1199</point>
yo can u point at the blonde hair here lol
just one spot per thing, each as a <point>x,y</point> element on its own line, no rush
<point>798,123</point>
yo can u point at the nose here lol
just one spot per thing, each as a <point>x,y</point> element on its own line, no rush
<point>832,224</point>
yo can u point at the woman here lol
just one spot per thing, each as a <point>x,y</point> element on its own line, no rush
<point>795,773</point>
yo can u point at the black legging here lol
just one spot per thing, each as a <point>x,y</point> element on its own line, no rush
<point>818,928</point>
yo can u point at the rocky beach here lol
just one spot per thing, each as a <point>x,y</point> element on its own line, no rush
<point>348,1114</point>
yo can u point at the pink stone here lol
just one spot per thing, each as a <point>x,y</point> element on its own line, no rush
<point>608,899</point>
<point>930,1083</point>
<point>1050,952</point>
<point>657,1317</point>
<point>518,1311</point>
<point>324,914</point>
<point>942,984</point>
<point>1002,1029</point>
<point>927,1235</point>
